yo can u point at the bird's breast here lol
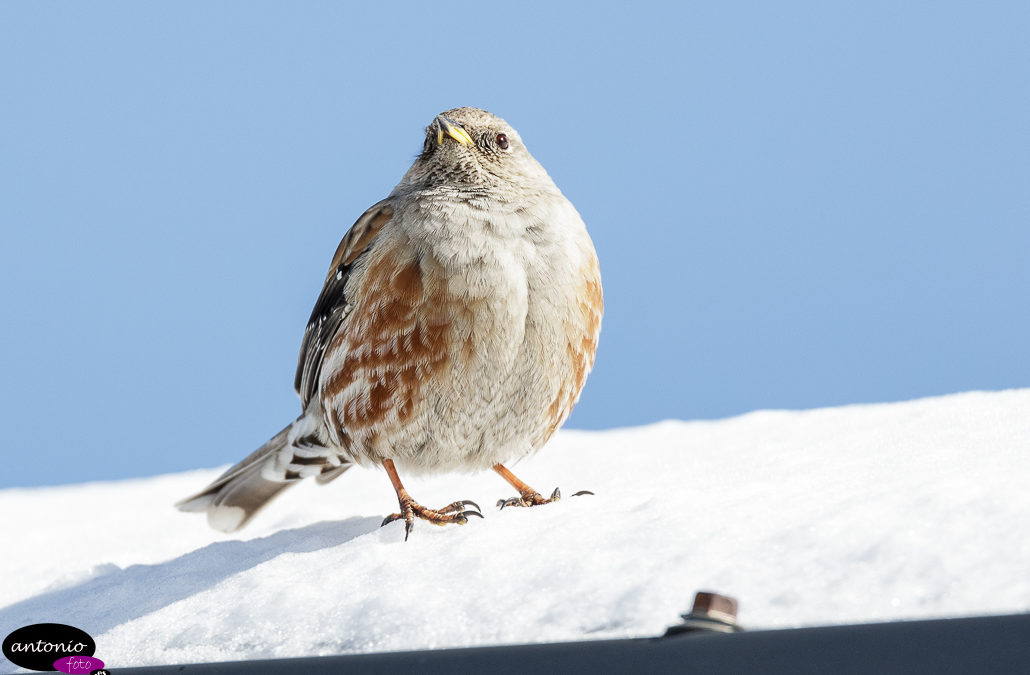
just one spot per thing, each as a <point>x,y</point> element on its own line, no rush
<point>463,348</point>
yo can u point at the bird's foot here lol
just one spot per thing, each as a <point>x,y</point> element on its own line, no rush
<point>534,498</point>
<point>452,513</point>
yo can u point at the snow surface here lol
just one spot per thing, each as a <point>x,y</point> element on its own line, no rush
<point>840,515</point>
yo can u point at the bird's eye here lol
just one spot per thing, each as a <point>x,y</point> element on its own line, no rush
<point>502,141</point>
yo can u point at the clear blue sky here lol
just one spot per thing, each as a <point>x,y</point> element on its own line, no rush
<point>794,204</point>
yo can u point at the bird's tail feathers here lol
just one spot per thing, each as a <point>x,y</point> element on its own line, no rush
<point>236,496</point>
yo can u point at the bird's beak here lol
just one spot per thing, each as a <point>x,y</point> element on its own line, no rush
<point>452,129</point>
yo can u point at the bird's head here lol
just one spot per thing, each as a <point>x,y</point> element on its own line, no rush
<point>469,148</point>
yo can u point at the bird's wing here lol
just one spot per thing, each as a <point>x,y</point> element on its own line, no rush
<point>331,308</point>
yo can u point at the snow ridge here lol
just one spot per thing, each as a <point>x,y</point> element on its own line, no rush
<point>838,515</point>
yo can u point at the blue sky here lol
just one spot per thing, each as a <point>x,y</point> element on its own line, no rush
<point>794,204</point>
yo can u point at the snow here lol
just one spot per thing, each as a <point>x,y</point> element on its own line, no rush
<point>839,515</point>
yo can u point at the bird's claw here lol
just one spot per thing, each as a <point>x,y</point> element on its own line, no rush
<point>534,498</point>
<point>452,513</point>
<point>511,501</point>
<point>460,505</point>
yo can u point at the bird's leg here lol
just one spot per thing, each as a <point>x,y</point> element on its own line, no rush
<point>410,509</point>
<point>529,496</point>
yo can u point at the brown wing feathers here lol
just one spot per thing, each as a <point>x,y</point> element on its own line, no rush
<point>331,307</point>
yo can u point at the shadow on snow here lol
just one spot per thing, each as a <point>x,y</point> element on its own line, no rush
<point>99,604</point>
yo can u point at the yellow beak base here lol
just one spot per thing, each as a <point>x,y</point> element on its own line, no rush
<point>452,129</point>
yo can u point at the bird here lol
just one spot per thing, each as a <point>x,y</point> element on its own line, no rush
<point>455,329</point>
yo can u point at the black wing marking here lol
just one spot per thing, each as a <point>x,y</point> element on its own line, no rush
<point>331,307</point>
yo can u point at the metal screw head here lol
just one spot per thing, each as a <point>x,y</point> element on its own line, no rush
<point>712,613</point>
<point>708,605</point>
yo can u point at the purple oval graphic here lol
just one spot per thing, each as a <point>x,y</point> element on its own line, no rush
<point>78,665</point>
